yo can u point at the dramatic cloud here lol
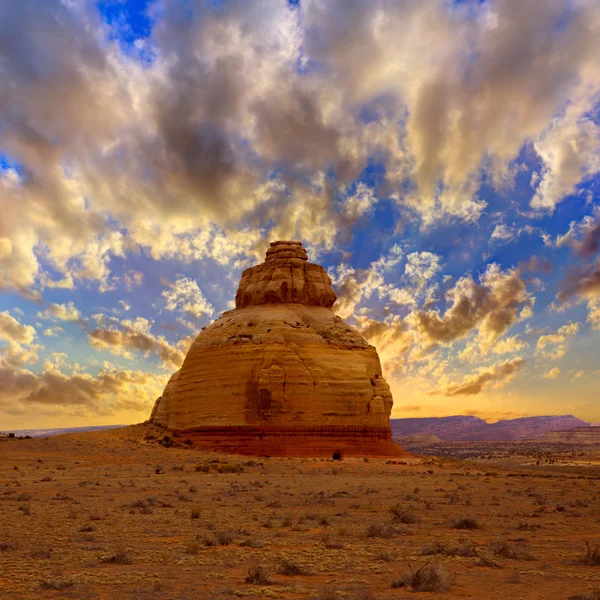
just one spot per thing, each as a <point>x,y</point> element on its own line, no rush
<point>491,306</point>
<point>110,391</point>
<point>128,335</point>
<point>497,374</point>
<point>186,134</point>
<point>407,144</point>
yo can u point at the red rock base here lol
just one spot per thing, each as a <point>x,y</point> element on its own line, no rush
<point>324,441</point>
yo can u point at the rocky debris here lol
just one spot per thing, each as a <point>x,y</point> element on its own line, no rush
<point>281,374</point>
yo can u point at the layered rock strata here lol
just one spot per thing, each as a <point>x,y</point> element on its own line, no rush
<point>281,375</point>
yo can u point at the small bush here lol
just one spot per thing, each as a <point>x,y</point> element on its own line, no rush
<point>228,468</point>
<point>464,548</point>
<point>196,512</point>
<point>5,546</point>
<point>429,577</point>
<point>258,575</point>
<point>56,583</point>
<point>287,567</point>
<point>524,526</point>
<point>401,515</point>
<point>120,557</point>
<point>380,530</point>
<point>41,553</point>
<point>202,468</point>
<point>192,547</point>
<point>506,550</point>
<point>251,543</point>
<point>224,538</point>
<point>591,556</point>
<point>465,523</point>
<point>485,561</point>
<point>593,595</point>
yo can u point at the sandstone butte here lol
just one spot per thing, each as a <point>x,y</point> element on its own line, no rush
<point>281,375</point>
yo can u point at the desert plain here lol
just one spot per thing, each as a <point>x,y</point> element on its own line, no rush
<point>128,513</point>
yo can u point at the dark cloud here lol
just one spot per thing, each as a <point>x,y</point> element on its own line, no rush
<point>581,281</point>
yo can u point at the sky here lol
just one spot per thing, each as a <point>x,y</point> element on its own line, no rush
<point>440,159</point>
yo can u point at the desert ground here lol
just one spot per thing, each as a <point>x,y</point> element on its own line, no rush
<point>125,514</point>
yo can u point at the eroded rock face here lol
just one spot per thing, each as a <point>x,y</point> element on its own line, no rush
<point>281,374</point>
<point>285,277</point>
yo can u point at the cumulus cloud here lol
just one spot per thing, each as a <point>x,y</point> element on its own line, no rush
<point>11,329</point>
<point>61,312</point>
<point>593,317</point>
<point>17,348</point>
<point>184,295</point>
<point>502,233</point>
<point>552,373</point>
<point>497,375</point>
<point>554,346</point>
<point>492,306</point>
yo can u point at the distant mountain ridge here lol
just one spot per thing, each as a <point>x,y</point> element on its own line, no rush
<point>468,428</point>
<point>58,430</point>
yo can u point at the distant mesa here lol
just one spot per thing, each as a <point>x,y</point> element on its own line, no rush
<point>577,436</point>
<point>466,428</point>
<point>281,375</point>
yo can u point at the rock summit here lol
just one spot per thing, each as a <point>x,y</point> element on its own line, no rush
<point>281,375</point>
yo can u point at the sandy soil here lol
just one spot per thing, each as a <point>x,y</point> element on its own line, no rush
<point>114,514</point>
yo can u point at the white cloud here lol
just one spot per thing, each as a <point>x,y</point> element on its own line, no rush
<point>61,312</point>
<point>185,296</point>
<point>552,373</point>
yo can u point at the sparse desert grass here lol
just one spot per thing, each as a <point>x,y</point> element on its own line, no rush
<point>56,583</point>
<point>119,557</point>
<point>385,556</point>
<point>338,530</point>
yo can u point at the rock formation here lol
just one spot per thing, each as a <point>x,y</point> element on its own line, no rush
<point>281,375</point>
